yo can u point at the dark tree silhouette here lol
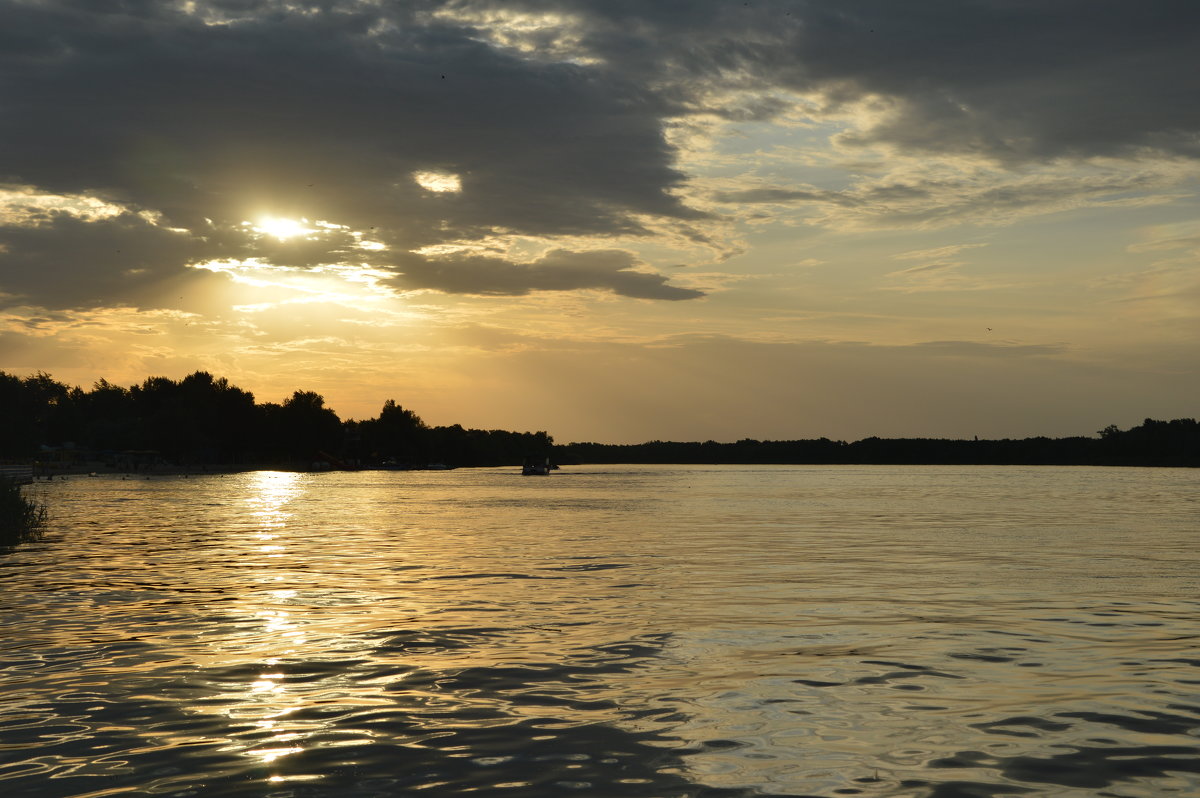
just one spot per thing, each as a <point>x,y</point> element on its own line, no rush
<point>204,419</point>
<point>306,428</point>
<point>398,435</point>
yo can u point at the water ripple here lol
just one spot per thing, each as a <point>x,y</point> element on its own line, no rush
<point>924,632</point>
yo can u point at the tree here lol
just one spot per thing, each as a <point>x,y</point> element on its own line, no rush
<point>30,410</point>
<point>308,427</point>
<point>397,433</point>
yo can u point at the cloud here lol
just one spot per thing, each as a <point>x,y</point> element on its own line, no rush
<point>1017,81</point>
<point>936,252</point>
<point>784,196</point>
<point>64,260</point>
<point>324,114</point>
<point>1012,81</point>
<point>927,267</point>
<point>935,276</point>
<point>557,270</point>
<point>1167,237</point>
<point>1166,292</point>
<point>208,114</point>
<point>925,195</point>
<point>433,123</point>
<point>976,349</point>
<point>937,271</point>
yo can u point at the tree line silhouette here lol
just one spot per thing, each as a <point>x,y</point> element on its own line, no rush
<point>202,419</point>
<point>1153,443</point>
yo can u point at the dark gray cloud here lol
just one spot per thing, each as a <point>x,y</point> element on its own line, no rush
<point>234,109</point>
<point>1012,80</point>
<point>65,261</point>
<point>558,270</point>
<point>1018,80</point>
<point>324,115</point>
<point>246,108</point>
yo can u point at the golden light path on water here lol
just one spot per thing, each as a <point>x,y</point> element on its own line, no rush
<point>267,700</point>
<point>622,631</point>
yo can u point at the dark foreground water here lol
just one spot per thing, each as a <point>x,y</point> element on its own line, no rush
<point>636,631</point>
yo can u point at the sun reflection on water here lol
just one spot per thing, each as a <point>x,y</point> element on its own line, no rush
<point>269,492</point>
<point>264,698</point>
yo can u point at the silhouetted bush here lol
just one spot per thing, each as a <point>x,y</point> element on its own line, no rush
<point>21,519</point>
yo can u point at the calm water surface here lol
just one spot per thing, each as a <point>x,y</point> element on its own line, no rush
<point>608,631</point>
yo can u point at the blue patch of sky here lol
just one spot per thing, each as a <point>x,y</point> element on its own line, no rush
<point>776,153</point>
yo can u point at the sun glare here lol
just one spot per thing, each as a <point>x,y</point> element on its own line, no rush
<point>281,228</point>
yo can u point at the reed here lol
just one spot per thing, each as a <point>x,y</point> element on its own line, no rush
<point>21,518</point>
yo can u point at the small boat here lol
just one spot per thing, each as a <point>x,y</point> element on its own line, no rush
<point>536,467</point>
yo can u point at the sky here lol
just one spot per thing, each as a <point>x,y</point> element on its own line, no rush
<point>615,220</point>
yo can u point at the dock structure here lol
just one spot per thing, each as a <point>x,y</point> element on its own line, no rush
<point>17,473</point>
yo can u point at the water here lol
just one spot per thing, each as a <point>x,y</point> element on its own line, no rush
<point>609,632</point>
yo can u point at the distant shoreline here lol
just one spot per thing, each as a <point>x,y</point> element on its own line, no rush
<point>1154,443</point>
<point>214,427</point>
<point>43,472</point>
<point>45,476</point>
<point>1165,444</point>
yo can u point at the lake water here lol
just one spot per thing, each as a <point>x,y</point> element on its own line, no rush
<point>609,632</point>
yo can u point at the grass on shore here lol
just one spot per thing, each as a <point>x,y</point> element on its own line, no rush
<point>21,519</point>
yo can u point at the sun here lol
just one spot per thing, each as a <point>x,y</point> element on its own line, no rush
<point>281,228</point>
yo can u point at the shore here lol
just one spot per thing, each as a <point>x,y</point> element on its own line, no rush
<point>46,472</point>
